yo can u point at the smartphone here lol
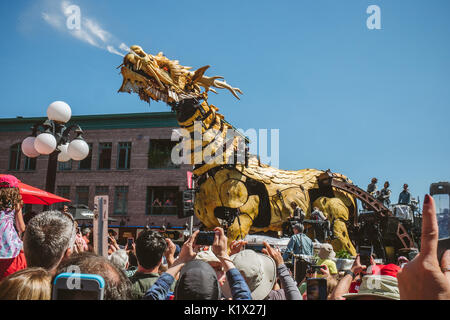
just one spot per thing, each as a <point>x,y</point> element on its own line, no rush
<point>255,247</point>
<point>443,245</point>
<point>78,286</point>
<point>314,269</point>
<point>316,289</point>
<point>205,238</point>
<point>364,255</point>
<point>130,242</point>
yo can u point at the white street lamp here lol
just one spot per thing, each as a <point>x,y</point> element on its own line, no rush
<point>63,155</point>
<point>28,147</point>
<point>78,149</point>
<point>53,141</point>
<point>45,143</point>
<point>59,111</point>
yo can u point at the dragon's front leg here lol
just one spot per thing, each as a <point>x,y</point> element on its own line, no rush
<point>337,212</point>
<point>223,198</point>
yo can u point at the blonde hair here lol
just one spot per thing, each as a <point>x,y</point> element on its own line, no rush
<point>27,284</point>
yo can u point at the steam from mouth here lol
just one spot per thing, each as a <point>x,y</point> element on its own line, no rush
<point>88,31</point>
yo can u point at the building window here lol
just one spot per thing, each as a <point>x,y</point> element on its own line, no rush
<point>85,164</point>
<point>101,190</point>
<point>121,200</point>
<point>65,166</point>
<point>30,164</point>
<point>159,154</point>
<point>163,200</point>
<point>14,157</point>
<point>63,191</point>
<point>124,155</point>
<point>104,155</point>
<point>82,195</point>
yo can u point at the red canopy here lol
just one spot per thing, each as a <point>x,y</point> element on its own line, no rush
<point>34,195</point>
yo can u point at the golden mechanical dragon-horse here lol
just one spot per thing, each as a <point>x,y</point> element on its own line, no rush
<point>259,197</point>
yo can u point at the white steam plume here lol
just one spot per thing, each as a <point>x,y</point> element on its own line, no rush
<point>88,30</point>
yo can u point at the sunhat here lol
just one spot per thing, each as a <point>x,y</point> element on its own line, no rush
<point>258,270</point>
<point>8,181</point>
<point>326,251</point>
<point>207,256</point>
<point>378,286</point>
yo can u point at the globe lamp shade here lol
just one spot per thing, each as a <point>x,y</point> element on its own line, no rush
<point>45,143</point>
<point>59,111</point>
<point>78,149</point>
<point>63,155</point>
<point>28,147</point>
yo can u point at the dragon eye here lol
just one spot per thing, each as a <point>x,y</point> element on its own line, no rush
<point>166,69</point>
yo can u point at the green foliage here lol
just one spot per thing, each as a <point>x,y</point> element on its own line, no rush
<point>343,254</point>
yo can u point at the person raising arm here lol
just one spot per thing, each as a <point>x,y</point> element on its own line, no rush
<point>426,278</point>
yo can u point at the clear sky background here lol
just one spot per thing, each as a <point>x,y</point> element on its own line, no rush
<point>365,103</point>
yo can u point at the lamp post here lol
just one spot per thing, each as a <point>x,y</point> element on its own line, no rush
<point>51,137</point>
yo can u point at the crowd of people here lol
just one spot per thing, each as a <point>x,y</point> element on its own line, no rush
<point>32,255</point>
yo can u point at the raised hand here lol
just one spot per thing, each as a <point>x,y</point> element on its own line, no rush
<point>325,271</point>
<point>219,247</point>
<point>422,278</point>
<point>187,252</point>
<point>170,252</point>
<point>357,267</point>
<point>275,254</point>
<point>237,246</point>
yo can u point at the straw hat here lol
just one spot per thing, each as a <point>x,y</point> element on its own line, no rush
<point>377,286</point>
<point>326,251</point>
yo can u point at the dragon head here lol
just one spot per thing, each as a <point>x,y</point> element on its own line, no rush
<point>161,79</point>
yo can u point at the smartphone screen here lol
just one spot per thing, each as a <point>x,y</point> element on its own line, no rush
<point>205,238</point>
<point>130,243</point>
<point>316,289</point>
<point>364,255</point>
<point>68,294</point>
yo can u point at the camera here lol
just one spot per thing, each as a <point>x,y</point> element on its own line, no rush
<point>205,238</point>
<point>313,269</point>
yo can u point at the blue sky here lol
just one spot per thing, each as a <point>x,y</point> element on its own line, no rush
<point>361,102</point>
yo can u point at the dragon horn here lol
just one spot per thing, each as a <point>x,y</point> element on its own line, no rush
<point>199,73</point>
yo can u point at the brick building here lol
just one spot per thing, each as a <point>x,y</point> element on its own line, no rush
<point>129,161</point>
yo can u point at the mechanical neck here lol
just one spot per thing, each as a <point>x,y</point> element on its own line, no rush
<point>212,143</point>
